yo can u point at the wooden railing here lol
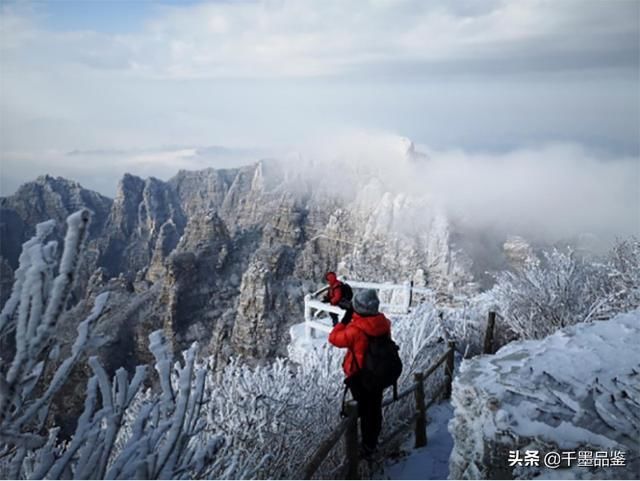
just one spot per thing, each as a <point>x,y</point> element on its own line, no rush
<point>490,344</point>
<point>349,426</point>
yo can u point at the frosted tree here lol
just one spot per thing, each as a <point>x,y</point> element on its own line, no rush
<point>563,289</point>
<point>624,274</point>
<point>31,314</point>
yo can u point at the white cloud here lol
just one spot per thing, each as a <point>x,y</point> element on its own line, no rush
<point>490,75</point>
<point>309,38</point>
<point>100,170</point>
<point>549,193</point>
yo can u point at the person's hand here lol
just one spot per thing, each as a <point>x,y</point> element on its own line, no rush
<point>345,320</point>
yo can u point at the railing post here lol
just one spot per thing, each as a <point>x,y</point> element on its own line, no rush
<point>421,412</point>
<point>488,336</point>
<point>407,296</point>
<point>351,440</point>
<point>410,293</point>
<point>307,316</point>
<point>449,368</point>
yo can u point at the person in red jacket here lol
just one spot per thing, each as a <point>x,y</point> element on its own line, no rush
<point>366,321</point>
<point>336,297</point>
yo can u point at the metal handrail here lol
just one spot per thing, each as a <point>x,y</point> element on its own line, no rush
<point>319,291</point>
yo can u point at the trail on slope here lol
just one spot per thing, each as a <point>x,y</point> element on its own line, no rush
<point>431,461</point>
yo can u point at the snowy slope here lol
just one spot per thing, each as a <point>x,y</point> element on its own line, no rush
<point>576,390</point>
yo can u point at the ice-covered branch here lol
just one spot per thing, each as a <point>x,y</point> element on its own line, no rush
<point>64,370</point>
<point>7,319</point>
<point>77,228</point>
<point>33,309</point>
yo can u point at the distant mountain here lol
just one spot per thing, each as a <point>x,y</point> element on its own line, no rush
<point>224,257</point>
<point>45,198</point>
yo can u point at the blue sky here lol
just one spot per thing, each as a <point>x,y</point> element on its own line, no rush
<point>272,76</point>
<point>106,16</point>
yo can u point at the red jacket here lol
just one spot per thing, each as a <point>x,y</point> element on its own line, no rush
<point>353,336</point>
<point>335,293</point>
<point>335,288</point>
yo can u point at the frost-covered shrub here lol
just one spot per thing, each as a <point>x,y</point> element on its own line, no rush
<point>624,273</point>
<point>30,315</point>
<point>276,413</point>
<point>563,289</point>
<point>467,323</point>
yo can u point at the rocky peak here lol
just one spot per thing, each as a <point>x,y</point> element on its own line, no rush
<point>129,184</point>
<point>55,198</point>
<point>203,190</point>
<point>140,210</point>
<point>203,233</point>
<point>167,240</point>
<point>46,198</point>
<point>125,206</point>
<point>196,291</point>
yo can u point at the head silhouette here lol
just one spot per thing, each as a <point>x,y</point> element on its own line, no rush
<point>331,277</point>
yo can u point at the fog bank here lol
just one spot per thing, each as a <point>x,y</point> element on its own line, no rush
<point>549,192</point>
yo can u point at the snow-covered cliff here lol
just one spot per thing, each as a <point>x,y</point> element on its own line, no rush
<point>577,390</point>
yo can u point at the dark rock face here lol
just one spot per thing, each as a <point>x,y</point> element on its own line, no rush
<point>137,222</point>
<point>47,198</point>
<point>195,288</point>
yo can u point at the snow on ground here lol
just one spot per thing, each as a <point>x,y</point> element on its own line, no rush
<point>431,461</point>
<point>576,390</point>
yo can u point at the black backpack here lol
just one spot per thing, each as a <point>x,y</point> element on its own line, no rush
<point>382,367</point>
<point>382,364</point>
<point>347,292</point>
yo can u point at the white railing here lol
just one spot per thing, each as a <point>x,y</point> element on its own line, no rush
<point>311,320</point>
<point>401,290</point>
<point>313,308</point>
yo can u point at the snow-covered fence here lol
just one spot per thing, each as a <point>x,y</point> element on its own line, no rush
<point>395,299</point>
<point>349,426</point>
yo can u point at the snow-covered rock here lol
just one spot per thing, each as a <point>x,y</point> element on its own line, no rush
<point>576,390</point>
<point>518,251</point>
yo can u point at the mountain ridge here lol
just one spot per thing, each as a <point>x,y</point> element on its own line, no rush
<point>135,233</point>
